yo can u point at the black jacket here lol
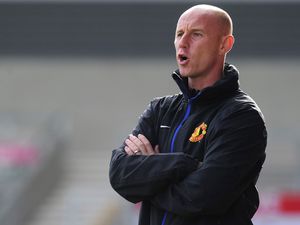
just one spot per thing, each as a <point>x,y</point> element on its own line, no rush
<point>212,146</point>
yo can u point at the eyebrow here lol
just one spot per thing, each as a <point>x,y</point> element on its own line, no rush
<point>197,29</point>
<point>193,30</point>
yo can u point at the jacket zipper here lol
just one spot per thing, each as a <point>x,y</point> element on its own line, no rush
<point>186,115</point>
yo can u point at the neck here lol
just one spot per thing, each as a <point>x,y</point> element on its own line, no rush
<point>207,80</point>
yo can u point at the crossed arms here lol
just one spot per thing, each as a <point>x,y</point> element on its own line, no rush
<point>174,181</point>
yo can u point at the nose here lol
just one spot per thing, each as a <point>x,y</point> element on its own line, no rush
<point>183,42</point>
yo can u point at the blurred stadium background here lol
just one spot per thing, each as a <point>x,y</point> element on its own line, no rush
<point>76,74</point>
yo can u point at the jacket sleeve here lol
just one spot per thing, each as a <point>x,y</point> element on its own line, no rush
<point>139,177</point>
<point>235,152</point>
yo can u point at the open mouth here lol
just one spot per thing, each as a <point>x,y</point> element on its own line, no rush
<point>182,58</point>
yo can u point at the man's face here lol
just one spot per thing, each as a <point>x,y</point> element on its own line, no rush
<point>197,43</point>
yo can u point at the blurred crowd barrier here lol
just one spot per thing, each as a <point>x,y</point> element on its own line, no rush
<point>31,162</point>
<point>281,207</point>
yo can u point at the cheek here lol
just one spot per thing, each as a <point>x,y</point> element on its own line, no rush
<point>198,55</point>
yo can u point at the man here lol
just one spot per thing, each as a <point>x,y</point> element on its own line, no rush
<point>194,158</point>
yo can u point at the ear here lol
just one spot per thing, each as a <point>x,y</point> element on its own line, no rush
<point>226,44</point>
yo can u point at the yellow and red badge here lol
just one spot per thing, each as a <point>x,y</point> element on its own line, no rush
<point>198,133</point>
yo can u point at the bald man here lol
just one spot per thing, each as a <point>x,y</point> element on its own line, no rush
<point>194,158</point>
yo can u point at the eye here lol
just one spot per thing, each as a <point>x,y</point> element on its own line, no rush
<point>197,34</point>
<point>179,34</point>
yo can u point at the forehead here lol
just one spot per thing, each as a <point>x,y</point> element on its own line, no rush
<point>196,19</point>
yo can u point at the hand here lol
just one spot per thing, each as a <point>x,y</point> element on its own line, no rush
<point>139,145</point>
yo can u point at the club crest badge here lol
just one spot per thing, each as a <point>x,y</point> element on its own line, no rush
<point>198,133</point>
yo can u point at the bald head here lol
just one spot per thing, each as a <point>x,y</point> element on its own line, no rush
<point>220,17</point>
<point>203,38</point>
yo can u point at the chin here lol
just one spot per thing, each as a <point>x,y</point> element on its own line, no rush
<point>184,73</point>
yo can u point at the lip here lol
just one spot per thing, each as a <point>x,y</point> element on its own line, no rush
<point>181,61</point>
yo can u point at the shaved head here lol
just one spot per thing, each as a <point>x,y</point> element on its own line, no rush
<point>221,17</point>
<point>203,38</point>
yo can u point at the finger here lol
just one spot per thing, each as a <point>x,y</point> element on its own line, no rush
<point>128,151</point>
<point>156,149</point>
<point>138,143</point>
<point>147,144</point>
<point>131,146</point>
